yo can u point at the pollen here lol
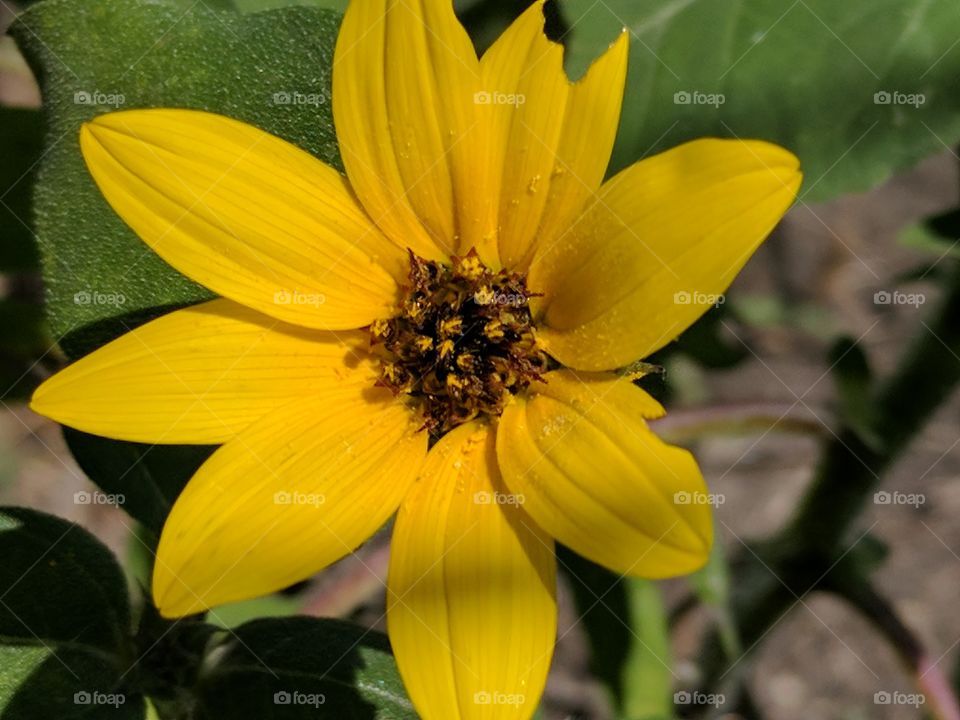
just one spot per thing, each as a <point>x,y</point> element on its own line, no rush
<point>494,330</point>
<point>451,327</point>
<point>446,349</point>
<point>380,329</point>
<point>461,343</point>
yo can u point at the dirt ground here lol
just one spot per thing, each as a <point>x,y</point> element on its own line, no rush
<point>822,660</point>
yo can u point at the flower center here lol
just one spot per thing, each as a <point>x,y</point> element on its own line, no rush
<point>462,343</point>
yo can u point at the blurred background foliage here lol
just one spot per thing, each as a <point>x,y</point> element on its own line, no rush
<point>860,90</point>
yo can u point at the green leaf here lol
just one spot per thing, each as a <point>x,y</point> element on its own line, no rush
<point>486,20</point>
<point>463,6</point>
<point>805,75</point>
<point>853,380</point>
<point>939,235</point>
<point>101,279</point>
<point>59,584</point>
<point>145,479</point>
<point>248,6</point>
<point>707,341</point>
<point>302,667</point>
<point>212,4</point>
<point>25,343</point>
<point>868,556</point>
<point>921,237</point>
<point>626,628</point>
<point>128,54</point>
<point>66,683</point>
<point>170,653</point>
<point>601,601</point>
<point>276,605</point>
<point>21,145</point>
<point>712,586</point>
<point>946,225</point>
<point>768,311</point>
<point>152,713</point>
<point>647,677</point>
<point>64,623</point>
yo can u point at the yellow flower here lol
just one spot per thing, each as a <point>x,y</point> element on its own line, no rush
<point>472,280</point>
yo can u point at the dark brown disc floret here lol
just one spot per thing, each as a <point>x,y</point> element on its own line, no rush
<point>462,342</point>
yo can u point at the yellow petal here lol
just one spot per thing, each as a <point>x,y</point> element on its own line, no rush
<point>595,477</point>
<point>246,214</point>
<point>471,608</point>
<point>405,73</point>
<point>552,138</point>
<point>665,237</point>
<point>199,375</point>
<point>297,490</point>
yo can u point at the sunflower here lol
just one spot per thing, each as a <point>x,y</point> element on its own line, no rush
<point>440,335</point>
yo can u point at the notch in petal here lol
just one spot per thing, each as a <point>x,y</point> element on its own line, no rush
<point>404,80</point>
<point>551,138</point>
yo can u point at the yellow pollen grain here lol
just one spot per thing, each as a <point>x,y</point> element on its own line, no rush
<point>380,328</point>
<point>493,330</point>
<point>414,311</point>
<point>451,326</point>
<point>470,267</point>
